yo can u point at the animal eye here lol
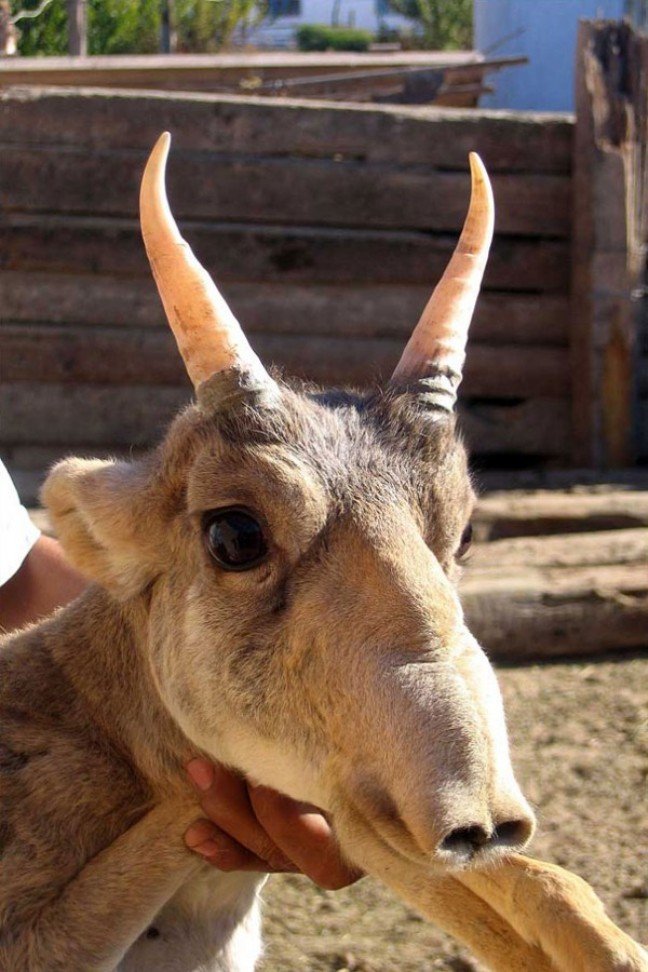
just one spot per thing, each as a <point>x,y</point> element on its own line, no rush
<point>234,538</point>
<point>465,542</point>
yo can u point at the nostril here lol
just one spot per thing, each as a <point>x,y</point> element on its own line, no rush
<point>462,838</point>
<point>512,833</point>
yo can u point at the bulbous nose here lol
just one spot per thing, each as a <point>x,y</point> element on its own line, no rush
<point>464,843</point>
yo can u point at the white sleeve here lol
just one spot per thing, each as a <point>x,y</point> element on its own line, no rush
<point>17,533</point>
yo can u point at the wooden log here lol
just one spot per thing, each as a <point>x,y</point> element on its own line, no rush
<point>534,613</point>
<point>36,353</point>
<point>111,415</point>
<point>492,480</point>
<point>511,514</point>
<point>529,142</point>
<point>608,250</point>
<point>381,310</point>
<point>249,188</point>
<point>629,546</point>
<point>298,254</point>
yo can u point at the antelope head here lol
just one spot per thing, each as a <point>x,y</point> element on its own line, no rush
<point>296,552</point>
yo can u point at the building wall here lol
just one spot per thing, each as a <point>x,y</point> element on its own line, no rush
<point>544,30</point>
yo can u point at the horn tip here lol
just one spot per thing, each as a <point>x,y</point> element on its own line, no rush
<point>477,167</point>
<point>160,150</point>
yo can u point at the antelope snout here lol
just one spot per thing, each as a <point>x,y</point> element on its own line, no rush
<point>466,843</point>
<point>471,829</point>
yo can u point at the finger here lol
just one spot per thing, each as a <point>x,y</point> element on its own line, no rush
<point>225,801</point>
<point>304,836</point>
<point>222,851</point>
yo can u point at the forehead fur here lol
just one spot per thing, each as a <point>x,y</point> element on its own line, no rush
<point>362,449</point>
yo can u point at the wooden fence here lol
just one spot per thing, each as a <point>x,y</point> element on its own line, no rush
<point>325,225</point>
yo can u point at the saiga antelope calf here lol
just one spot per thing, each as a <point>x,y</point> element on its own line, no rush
<point>274,588</point>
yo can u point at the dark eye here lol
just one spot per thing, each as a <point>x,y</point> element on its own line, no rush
<point>466,541</point>
<point>234,538</point>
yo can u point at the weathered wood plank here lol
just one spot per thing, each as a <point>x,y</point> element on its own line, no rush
<point>547,612</point>
<point>100,415</point>
<point>608,250</point>
<point>560,550</point>
<point>511,514</point>
<point>280,127</point>
<point>297,254</point>
<point>113,415</point>
<point>362,311</point>
<point>538,428</point>
<point>44,353</point>
<point>206,185</point>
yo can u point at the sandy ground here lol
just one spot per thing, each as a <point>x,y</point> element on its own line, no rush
<point>580,746</point>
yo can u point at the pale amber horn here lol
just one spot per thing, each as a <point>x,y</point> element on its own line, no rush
<point>438,343</point>
<point>209,337</point>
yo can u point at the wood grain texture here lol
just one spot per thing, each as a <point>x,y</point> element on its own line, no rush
<point>120,415</point>
<point>297,254</point>
<point>610,174</point>
<point>72,179</point>
<point>546,612</point>
<point>402,135</point>
<point>515,514</point>
<point>49,354</point>
<point>379,310</point>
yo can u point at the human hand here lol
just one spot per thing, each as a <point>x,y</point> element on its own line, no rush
<point>254,828</point>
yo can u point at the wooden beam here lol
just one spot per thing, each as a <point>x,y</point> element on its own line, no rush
<point>110,415</point>
<point>609,172</point>
<point>369,311</point>
<point>297,254</point>
<point>544,612</point>
<point>516,514</point>
<point>591,549</point>
<point>248,188</point>
<point>77,355</point>
<point>280,127</point>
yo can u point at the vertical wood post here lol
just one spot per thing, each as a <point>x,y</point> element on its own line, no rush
<point>609,197</point>
<point>77,27</point>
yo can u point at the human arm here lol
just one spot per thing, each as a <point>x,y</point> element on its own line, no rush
<point>43,582</point>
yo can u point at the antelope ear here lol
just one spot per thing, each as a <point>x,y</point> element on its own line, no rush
<point>106,521</point>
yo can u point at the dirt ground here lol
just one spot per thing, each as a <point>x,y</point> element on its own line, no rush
<point>580,746</point>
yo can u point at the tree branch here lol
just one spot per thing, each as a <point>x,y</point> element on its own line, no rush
<point>30,14</point>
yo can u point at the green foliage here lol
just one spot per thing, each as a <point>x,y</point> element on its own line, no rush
<point>443,24</point>
<point>319,37</point>
<point>133,26</point>
<point>123,26</point>
<point>207,25</point>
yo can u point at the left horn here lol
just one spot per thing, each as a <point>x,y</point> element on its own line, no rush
<point>437,346</point>
<point>209,337</point>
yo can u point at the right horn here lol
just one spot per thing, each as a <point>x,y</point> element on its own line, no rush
<point>436,350</point>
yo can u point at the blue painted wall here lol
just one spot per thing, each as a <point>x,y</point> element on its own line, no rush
<point>546,32</point>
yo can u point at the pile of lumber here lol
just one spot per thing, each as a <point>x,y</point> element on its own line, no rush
<point>559,574</point>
